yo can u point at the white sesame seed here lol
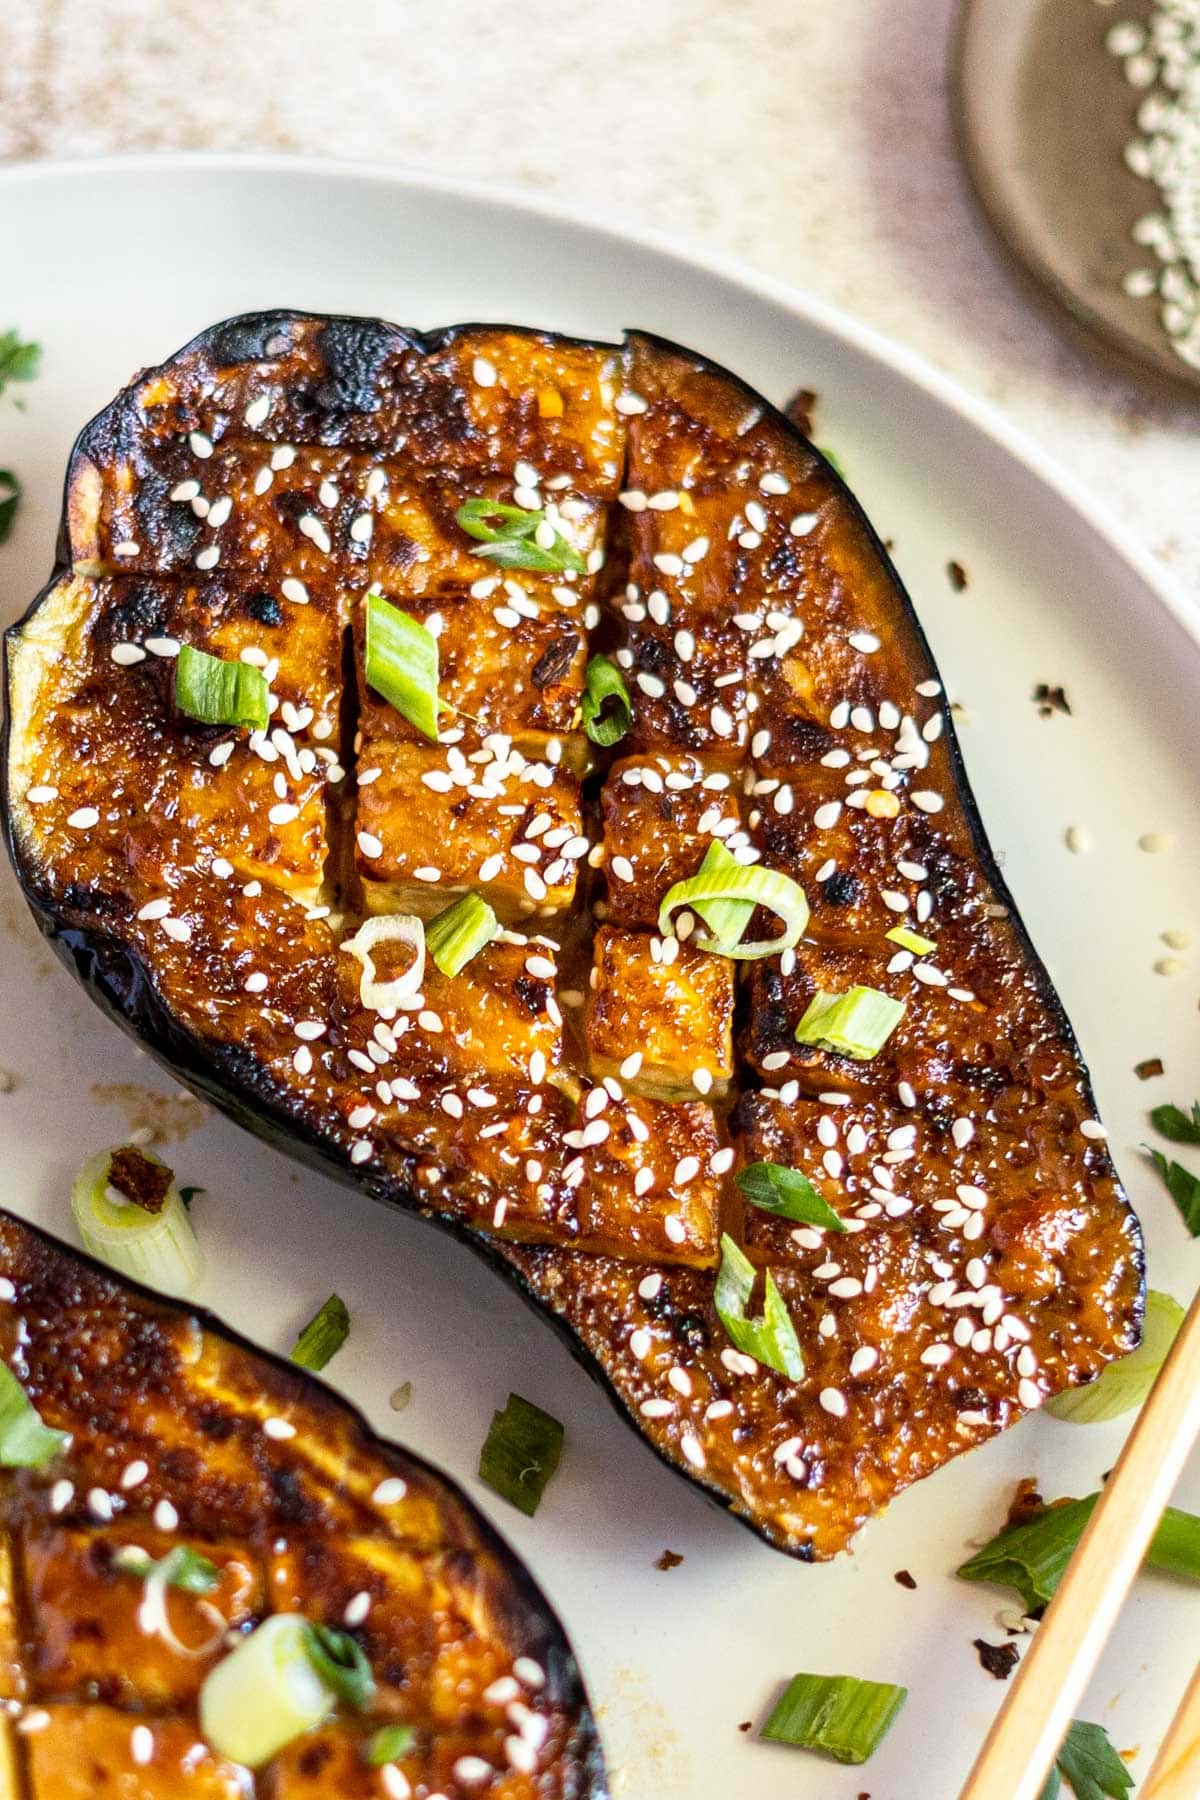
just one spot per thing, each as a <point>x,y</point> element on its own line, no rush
<point>83,818</point>
<point>200,445</point>
<point>630,403</point>
<point>649,1285</point>
<point>369,844</point>
<point>126,655</point>
<point>166,1518</point>
<point>833,1401</point>
<point>483,372</point>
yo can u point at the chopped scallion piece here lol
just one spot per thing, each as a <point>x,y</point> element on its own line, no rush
<point>402,663</point>
<point>1125,1383</point>
<point>723,880</point>
<point>218,692</point>
<point>1032,1557</point>
<point>910,940</point>
<point>726,919</point>
<point>788,1193</point>
<point>130,1215</point>
<point>521,1453</point>
<point>181,1568</point>
<point>845,1718</point>
<point>25,1442</point>
<point>265,1693</point>
<point>518,537</point>
<point>770,1340</point>
<point>858,1023</point>
<point>377,994</point>
<point>324,1335</point>
<point>606,706</point>
<point>388,1744</point>
<point>341,1662</point>
<point>460,933</point>
<point>1089,1763</point>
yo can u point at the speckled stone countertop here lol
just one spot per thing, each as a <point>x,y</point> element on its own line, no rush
<point>812,140</point>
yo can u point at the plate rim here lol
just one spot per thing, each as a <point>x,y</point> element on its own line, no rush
<point>1166,588</point>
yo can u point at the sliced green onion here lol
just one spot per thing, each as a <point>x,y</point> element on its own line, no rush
<point>606,707</point>
<point>181,1568</point>
<point>726,919</point>
<point>265,1693</point>
<point>341,1662</point>
<point>721,878</point>
<point>218,692</point>
<point>521,1453</point>
<point>324,1335</point>
<point>910,940</point>
<point>156,1247</point>
<point>25,1442</point>
<point>401,663</point>
<point>845,1718</point>
<point>517,537</point>
<point>1183,1187</point>
<point>788,1193</point>
<point>1032,1557</point>
<point>1124,1384</point>
<point>388,1744</point>
<point>1174,1124</point>
<point>460,933</point>
<point>857,1024</point>
<point>1087,1760</point>
<point>387,997</point>
<point>770,1340</point>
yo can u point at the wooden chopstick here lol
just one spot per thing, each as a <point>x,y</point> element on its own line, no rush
<point>1176,1771</point>
<point>1045,1693</point>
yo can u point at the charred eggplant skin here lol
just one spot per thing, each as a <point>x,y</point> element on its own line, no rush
<point>574,1291</point>
<point>328,1498</point>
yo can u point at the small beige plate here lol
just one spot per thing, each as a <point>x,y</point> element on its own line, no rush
<point>1044,112</point>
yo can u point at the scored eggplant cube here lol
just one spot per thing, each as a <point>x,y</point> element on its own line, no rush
<point>663,1025</point>
<point>549,404</point>
<point>499,671</point>
<point>85,1611</point>
<point>81,1752</point>
<point>647,1190</point>
<point>661,814</point>
<point>432,825</point>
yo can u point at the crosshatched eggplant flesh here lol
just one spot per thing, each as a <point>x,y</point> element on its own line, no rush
<point>578,1100</point>
<point>182,1435</point>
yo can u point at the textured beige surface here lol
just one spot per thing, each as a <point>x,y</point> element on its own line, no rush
<point>810,137</point>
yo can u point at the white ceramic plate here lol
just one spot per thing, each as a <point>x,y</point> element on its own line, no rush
<point>113,266</point>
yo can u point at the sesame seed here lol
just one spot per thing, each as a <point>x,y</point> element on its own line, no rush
<point>163,646</point>
<point>166,1518</point>
<point>390,1491</point>
<point>369,844</point>
<point>126,655</point>
<point>83,818</point>
<point>656,1408</point>
<point>833,1401</point>
<point>1092,1128</point>
<point>803,524</point>
<point>483,372</point>
<point>630,404</point>
<point>692,1449</point>
<point>649,1286</point>
<point>472,1769</point>
<point>200,445</point>
<point>926,801</point>
<point>294,590</point>
<point>863,1360</point>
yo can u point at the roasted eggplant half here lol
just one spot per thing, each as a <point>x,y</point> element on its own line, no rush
<point>184,1492</point>
<point>545,628</point>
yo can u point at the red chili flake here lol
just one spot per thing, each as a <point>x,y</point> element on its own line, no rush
<point>957,574</point>
<point>670,1559</point>
<point>998,1659</point>
<point>1146,1071</point>
<point>748,1725</point>
<point>143,1182</point>
<point>905,1580</point>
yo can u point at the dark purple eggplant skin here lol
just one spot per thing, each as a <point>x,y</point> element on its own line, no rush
<point>124,989</point>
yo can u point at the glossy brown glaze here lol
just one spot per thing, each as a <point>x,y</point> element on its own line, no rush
<point>581,1096</point>
<point>181,1434</point>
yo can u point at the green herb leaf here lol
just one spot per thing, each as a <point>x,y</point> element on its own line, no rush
<point>1183,1188</point>
<point>1174,1124</point>
<point>1032,1557</point>
<point>515,537</point>
<point>857,1024</point>
<point>770,1340</point>
<point>460,933</point>
<point>324,1335</point>
<point>10,499</point>
<point>18,361</point>
<point>1088,1761</point>
<point>341,1662</point>
<point>833,459</point>
<point>401,663</point>
<point>606,707</point>
<point>25,1443</point>
<point>721,881</point>
<point>218,692</point>
<point>846,1718</point>
<point>1125,1383</point>
<point>788,1193</point>
<point>521,1453</point>
<point>388,1744</point>
<point>181,1568</point>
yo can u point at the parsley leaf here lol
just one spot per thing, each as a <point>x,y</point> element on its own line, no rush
<point>1183,1188</point>
<point>10,497</point>
<point>18,361</point>
<point>1088,1762</point>
<point>1173,1123</point>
